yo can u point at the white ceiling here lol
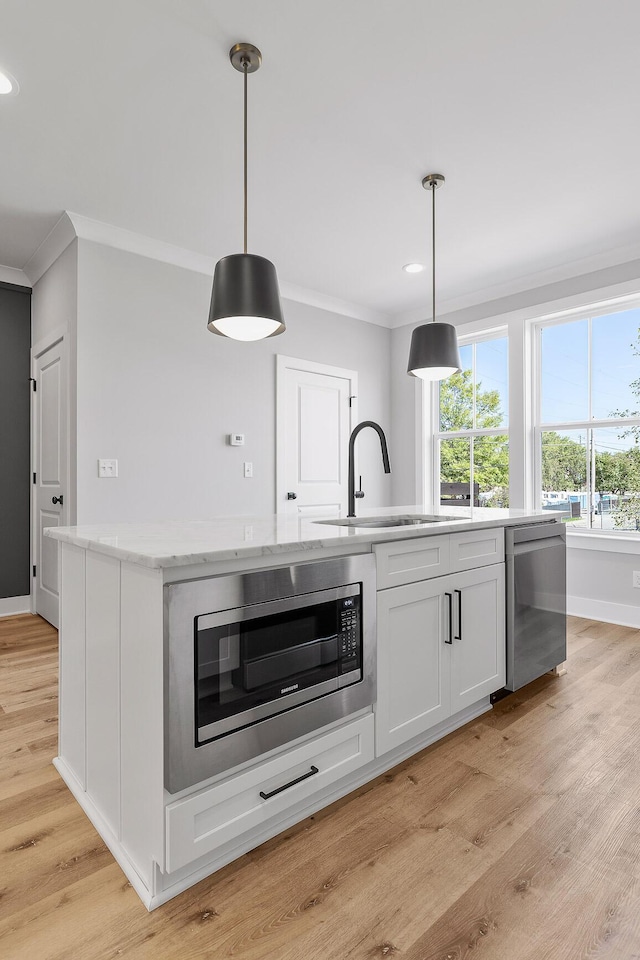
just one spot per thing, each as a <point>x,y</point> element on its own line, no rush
<point>130,113</point>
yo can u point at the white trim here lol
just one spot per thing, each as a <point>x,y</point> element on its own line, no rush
<point>621,613</point>
<point>53,245</point>
<point>72,225</point>
<point>619,257</point>
<point>344,308</point>
<point>13,275</point>
<point>603,542</point>
<point>121,239</point>
<point>115,847</point>
<point>10,606</point>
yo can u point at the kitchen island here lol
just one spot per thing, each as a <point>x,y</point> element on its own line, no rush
<point>431,598</point>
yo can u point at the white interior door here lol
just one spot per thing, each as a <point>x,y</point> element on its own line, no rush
<point>50,467</point>
<point>316,410</point>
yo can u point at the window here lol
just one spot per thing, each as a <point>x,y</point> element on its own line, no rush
<point>471,437</point>
<point>589,420</point>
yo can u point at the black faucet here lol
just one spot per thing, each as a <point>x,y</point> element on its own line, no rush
<point>352,444</point>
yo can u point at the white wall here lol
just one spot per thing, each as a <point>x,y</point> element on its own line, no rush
<point>160,393</point>
<point>600,585</point>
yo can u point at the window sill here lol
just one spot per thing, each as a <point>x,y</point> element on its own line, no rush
<point>623,542</point>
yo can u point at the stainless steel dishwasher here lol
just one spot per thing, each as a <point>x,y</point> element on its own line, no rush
<point>536,600</point>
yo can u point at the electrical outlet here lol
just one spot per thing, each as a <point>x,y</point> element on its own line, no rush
<point>248,470</point>
<point>107,468</point>
<point>636,579</point>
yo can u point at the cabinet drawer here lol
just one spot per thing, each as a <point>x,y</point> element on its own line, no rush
<point>199,824</point>
<point>476,548</point>
<point>407,561</point>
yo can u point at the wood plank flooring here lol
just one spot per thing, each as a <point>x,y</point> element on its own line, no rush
<point>515,838</point>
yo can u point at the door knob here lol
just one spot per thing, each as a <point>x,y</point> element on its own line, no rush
<point>59,500</point>
<point>292,496</point>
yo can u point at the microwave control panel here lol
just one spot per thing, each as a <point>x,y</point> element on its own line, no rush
<point>350,638</point>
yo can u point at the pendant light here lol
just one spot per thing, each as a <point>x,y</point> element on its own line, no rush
<point>245,302</point>
<point>434,354</point>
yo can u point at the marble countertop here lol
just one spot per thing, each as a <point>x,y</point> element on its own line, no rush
<point>173,543</point>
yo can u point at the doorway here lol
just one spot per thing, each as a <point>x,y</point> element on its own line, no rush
<point>316,409</point>
<point>50,465</point>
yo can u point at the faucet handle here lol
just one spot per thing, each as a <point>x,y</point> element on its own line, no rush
<point>359,494</point>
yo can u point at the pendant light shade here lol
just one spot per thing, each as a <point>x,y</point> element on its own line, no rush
<point>245,301</point>
<point>434,354</point>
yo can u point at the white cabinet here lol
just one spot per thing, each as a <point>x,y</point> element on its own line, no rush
<point>478,650</point>
<point>204,821</point>
<point>441,641</point>
<point>413,663</point>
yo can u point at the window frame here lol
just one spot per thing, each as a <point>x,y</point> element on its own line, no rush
<point>470,338</point>
<point>589,313</point>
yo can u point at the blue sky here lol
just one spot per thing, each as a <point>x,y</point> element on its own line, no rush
<point>564,367</point>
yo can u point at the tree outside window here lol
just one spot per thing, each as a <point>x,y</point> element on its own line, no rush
<point>590,410</point>
<point>472,440</point>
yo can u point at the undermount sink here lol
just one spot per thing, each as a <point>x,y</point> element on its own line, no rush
<point>408,520</point>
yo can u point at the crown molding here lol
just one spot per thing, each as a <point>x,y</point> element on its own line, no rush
<point>72,225</point>
<point>13,275</point>
<point>567,271</point>
<point>345,308</point>
<point>54,244</point>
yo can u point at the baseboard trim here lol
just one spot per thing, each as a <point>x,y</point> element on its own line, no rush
<point>623,614</point>
<point>10,606</point>
<point>105,831</point>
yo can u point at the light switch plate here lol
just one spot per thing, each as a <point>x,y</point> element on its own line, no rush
<point>107,468</point>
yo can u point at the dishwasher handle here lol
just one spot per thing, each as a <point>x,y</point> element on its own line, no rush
<point>535,546</point>
<point>549,530</point>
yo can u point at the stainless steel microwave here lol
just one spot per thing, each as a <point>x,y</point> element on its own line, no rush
<point>256,660</point>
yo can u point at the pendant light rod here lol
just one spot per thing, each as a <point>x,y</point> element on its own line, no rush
<point>431,182</point>
<point>245,66</point>
<point>246,59</point>
<point>433,256</point>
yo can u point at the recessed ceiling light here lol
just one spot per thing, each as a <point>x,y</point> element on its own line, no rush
<point>413,267</point>
<point>8,84</point>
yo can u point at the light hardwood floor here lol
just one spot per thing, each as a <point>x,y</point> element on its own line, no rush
<point>515,838</point>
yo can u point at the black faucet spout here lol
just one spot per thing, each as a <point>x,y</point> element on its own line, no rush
<point>352,444</point>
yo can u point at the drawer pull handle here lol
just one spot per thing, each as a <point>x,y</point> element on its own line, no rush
<point>292,783</point>
<point>459,637</point>
<point>449,597</point>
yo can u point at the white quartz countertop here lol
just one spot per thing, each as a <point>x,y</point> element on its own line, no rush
<point>174,543</point>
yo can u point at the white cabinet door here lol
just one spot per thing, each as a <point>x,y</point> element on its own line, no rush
<point>478,649</point>
<point>413,662</point>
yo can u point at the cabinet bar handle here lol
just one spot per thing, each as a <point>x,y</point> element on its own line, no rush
<point>292,783</point>
<point>459,637</point>
<point>450,599</point>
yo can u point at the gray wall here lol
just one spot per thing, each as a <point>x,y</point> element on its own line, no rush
<point>158,392</point>
<point>15,407</point>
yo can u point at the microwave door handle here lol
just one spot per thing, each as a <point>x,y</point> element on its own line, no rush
<point>276,667</point>
<point>329,648</point>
